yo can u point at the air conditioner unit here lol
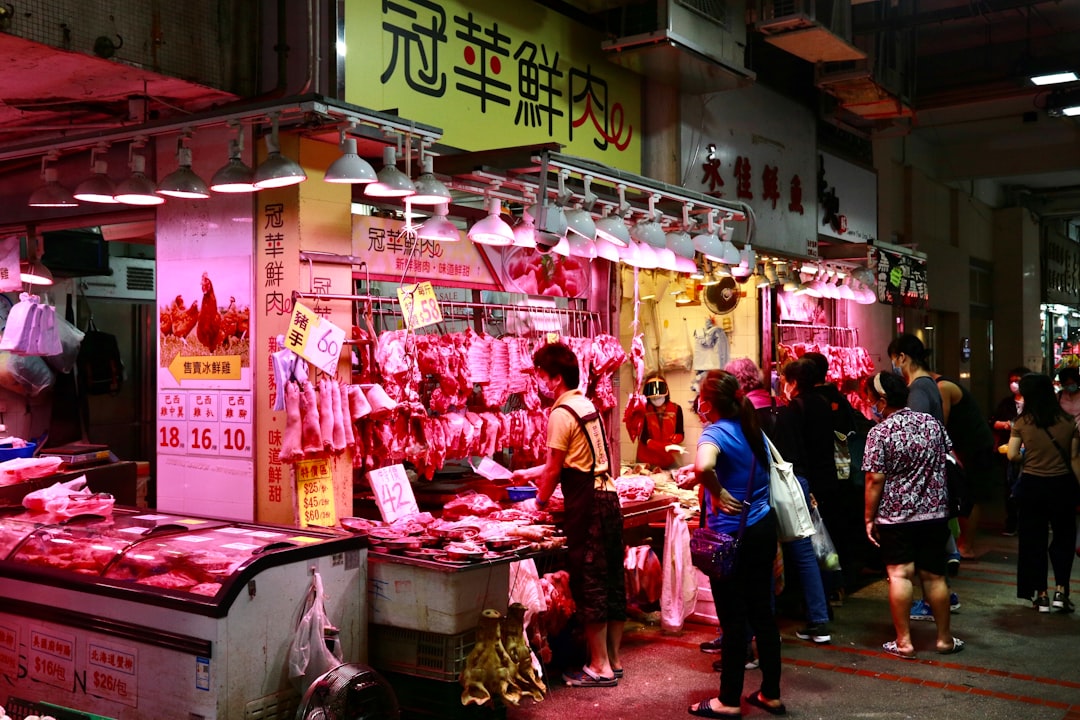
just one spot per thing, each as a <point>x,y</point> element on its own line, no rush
<point>695,45</point>
<point>816,31</point>
<point>131,279</point>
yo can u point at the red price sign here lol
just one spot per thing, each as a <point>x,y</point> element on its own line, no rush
<point>393,493</point>
<point>202,439</point>
<point>172,438</point>
<point>235,440</point>
<point>419,306</point>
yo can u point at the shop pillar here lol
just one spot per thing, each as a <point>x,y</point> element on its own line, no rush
<point>311,216</point>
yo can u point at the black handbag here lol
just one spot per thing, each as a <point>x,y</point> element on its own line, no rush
<point>955,484</point>
<point>716,553</point>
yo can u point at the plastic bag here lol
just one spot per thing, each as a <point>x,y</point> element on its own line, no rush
<point>309,657</point>
<point>70,339</point>
<point>675,351</point>
<point>823,544</point>
<point>678,594</point>
<point>26,375</point>
<point>68,499</point>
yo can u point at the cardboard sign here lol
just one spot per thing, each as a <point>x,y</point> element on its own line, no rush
<point>315,493</point>
<point>315,338</point>
<point>393,493</point>
<point>419,306</point>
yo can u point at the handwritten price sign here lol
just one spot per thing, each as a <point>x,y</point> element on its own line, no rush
<point>314,338</point>
<point>419,306</point>
<point>393,493</point>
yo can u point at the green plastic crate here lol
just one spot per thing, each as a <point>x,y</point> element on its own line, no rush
<point>423,654</point>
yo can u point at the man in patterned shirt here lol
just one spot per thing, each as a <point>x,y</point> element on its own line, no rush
<point>907,508</point>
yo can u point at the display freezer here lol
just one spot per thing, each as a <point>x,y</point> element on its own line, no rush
<point>147,615</point>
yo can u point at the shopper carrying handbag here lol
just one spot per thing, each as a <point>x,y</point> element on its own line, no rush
<point>732,464</point>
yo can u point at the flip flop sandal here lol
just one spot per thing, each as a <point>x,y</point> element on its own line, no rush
<point>957,646</point>
<point>704,709</point>
<point>756,700</point>
<point>584,678</point>
<point>891,649</point>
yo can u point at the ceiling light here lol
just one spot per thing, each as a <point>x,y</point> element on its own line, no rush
<point>581,246</point>
<point>606,249</point>
<point>550,223</point>
<point>277,170</point>
<point>763,279</point>
<point>350,168</point>
<point>525,232</point>
<point>138,189</point>
<point>647,259</point>
<point>35,273</point>
<point>747,261</point>
<point>680,243</point>
<point>612,229</point>
<point>561,248</point>
<point>438,228</point>
<point>864,275</point>
<point>97,188</point>
<point>392,182</point>
<point>845,292</point>
<point>684,265</point>
<point>648,230</point>
<point>729,254</point>
<point>579,222</point>
<point>630,254</point>
<point>52,193</point>
<point>234,176</point>
<point>492,230</point>
<point>183,182</point>
<point>430,190</point>
<point>666,259</point>
<point>1054,78</point>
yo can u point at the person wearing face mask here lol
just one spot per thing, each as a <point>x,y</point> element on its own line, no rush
<point>578,462</point>
<point>660,444</point>
<point>1069,396</point>
<point>1010,408</point>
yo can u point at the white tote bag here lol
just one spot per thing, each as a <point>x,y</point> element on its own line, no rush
<point>786,497</point>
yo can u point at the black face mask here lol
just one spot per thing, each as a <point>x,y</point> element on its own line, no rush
<point>655,387</point>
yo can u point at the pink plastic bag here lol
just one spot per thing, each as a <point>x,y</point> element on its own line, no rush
<point>68,499</point>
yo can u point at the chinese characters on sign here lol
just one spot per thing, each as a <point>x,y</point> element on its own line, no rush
<point>742,173</point>
<point>276,301</point>
<point>315,493</point>
<point>507,78</point>
<point>901,279</point>
<point>1061,269</point>
<point>197,422</point>
<point>315,338</point>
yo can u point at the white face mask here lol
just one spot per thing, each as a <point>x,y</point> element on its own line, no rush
<point>545,389</point>
<point>658,400</point>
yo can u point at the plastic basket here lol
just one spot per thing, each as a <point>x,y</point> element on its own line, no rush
<point>10,453</point>
<point>18,709</point>
<point>423,654</point>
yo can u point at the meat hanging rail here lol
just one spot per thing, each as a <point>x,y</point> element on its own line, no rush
<point>580,322</point>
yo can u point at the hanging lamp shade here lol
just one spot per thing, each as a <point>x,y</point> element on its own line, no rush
<point>438,228</point>
<point>350,168</point>
<point>97,188</point>
<point>492,230</point>
<point>183,182</point>
<point>614,230</point>
<point>680,243</point>
<point>430,190</point>
<point>234,176</point>
<point>685,265</point>
<point>606,249</point>
<point>708,244</point>
<point>647,259</point>
<point>579,222</point>
<point>277,170</point>
<point>525,232</point>
<point>666,259</point>
<point>35,273</point>
<point>138,189</point>
<point>550,222</point>
<point>630,255</point>
<point>391,181</point>
<point>649,232</point>
<point>581,246</point>
<point>52,194</point>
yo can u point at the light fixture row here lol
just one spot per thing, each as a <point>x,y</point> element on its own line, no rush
<point>277,170</point>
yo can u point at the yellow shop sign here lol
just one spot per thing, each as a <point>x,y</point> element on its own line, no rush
<point>493,74</point>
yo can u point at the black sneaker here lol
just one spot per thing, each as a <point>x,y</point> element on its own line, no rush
<point>711,646</point>
<point>819,633</point>
<point>1062,603</point>
<point>1042,604</point>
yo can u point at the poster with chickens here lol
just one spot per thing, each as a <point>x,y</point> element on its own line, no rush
<point>204,324</point>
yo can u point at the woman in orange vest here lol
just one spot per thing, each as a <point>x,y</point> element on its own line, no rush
<point>661,438</point>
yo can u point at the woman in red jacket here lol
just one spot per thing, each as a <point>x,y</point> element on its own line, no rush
<point>663,426</point>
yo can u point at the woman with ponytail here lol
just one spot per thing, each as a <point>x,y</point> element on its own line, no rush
<point>732,464</point>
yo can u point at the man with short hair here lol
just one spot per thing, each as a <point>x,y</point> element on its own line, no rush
<point>578,461</point>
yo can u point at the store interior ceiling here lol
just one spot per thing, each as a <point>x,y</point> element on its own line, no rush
<point>954,73</point>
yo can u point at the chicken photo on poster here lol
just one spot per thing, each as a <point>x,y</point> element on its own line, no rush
<point>209,312</point>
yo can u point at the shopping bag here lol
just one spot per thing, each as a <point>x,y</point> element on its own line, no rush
<point>786,497</point>
<point>823,544</point>
<point>309,654</point>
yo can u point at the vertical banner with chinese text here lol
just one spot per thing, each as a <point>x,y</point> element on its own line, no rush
<point>204,409</point>
<point>494,74</point>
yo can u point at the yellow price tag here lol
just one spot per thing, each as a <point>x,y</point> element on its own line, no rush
<point>315,493</point>
<point>552,338</point>
<point>314,338</point>
<point>419,306</point>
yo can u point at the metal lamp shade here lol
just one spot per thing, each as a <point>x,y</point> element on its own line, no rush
<point>234,176</point>
<point>614,230</point>
<point>580,222</point>
<point>138,189</point>
<point>350,168</point>
<point>438,228</point>
<point>680,243</point>
<point>708,244</point>
<point>278,170</point>
<point>52,193</point>
<point>97,188</point>
<point>650,233</point>
<point>581,246</point>
<point>183,182</point>
<point>391,181</point>
<point>492,230</point>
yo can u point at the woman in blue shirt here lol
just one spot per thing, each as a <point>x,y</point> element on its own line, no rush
<point>733,466</point>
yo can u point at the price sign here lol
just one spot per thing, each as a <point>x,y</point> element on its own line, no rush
<point>202,438</point>
<point>172,438</point>
<point>315,493</point>
<point>113,672</point>
<point>51,658</point>
<point>419,306</point>
<point>393,493</point>
<point>314,338</point>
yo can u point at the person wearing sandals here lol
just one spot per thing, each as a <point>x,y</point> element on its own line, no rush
<point>733,464</point>
<point>907,511</point>
<point>578,461</point>
<point>1044,437</point>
